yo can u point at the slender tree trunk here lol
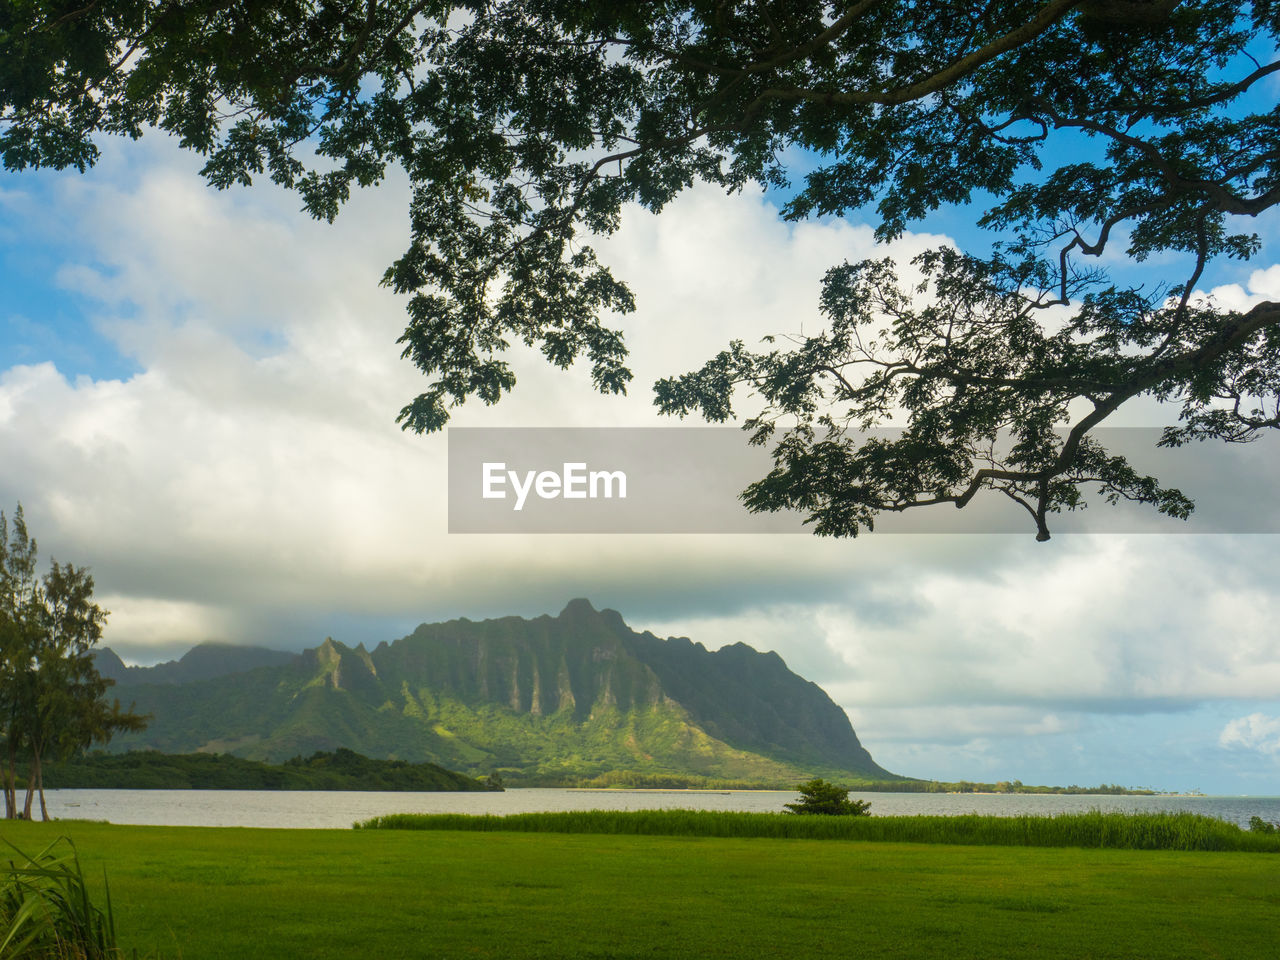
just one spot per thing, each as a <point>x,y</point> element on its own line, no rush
<point>32,776</point>
<point>10,790</point>
<point>44,811</point>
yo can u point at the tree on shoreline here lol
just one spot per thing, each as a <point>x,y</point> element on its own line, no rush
<point>1131,130</point>
<point>52,698</point>
<point>818,797</point>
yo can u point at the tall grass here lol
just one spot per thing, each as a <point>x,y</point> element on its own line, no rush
<point>46,912</point>
<point>1130,831</point>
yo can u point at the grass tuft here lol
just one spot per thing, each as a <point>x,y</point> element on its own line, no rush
<point>46,912</point>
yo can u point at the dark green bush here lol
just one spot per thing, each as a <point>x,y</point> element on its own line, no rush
<point>826,799</point>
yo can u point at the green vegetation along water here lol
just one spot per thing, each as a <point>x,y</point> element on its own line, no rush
<point>1115,831</point>
<point>207,893</point>
<point>340,769</point>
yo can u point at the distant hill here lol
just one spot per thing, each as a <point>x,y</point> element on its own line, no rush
<point>340,770</point>
<point>552,699</point>
<point>203,662</point>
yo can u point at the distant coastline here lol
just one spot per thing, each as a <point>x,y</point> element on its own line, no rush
<point>339,770</point>
<point>628,780</point>
<point>1010,787</point>
<point>346,770</point>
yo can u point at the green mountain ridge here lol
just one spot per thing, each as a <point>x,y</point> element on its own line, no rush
<point>552,699</point>
<point>202,662</point>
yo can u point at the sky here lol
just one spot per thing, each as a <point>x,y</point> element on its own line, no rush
<point>197,400</point>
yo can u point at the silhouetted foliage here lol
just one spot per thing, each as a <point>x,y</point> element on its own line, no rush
<point>1134,131</point>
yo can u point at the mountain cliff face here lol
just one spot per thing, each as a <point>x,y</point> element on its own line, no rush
<point>554,698</point>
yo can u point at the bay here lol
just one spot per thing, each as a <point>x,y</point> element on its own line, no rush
<point>339,809</point>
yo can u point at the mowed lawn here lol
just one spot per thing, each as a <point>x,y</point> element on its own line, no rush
<point>198,893</point>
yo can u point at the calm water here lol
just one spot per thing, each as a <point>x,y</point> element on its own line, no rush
<point>313,808</point>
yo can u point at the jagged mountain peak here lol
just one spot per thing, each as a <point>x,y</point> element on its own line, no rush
<point>581,609</point>
<point>577,607</point>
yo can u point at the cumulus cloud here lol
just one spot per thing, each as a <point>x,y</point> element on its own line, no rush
<point>253,465</point>
<point>1257,732</point>
<point>1102,659</point>
<point>1100,624</point>
<point>1010,639</point>
<point>1262,285</point>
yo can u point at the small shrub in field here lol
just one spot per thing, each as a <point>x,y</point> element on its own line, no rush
<point>819,797</point>
<point>1258,825</point>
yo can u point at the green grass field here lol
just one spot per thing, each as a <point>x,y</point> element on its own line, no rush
<point>200,893</point>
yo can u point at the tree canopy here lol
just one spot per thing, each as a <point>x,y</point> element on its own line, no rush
<point>1085,132</point>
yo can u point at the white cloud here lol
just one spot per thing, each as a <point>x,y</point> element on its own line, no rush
<point>254,461</point>
<point>1262,285</point>
<point>1266,283</point>
<point>165,623</point>
<point>1257,732</point>
<point>958,725</point>
<point>1006,640</point>
<point>1107,621</point>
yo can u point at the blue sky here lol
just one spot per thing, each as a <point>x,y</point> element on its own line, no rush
<point>45,318</point>
<point>42,320</point>
<point>197,394</point>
